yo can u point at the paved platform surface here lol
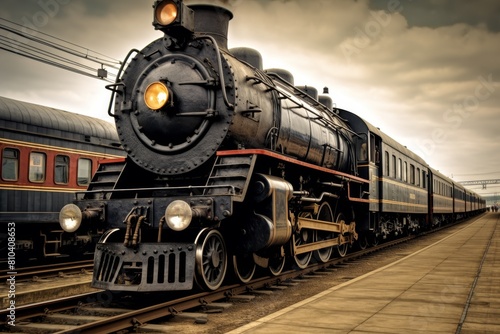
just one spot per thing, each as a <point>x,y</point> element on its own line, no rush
<point>451,286</point>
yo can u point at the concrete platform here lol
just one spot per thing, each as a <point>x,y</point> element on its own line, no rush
<point>452,286</point>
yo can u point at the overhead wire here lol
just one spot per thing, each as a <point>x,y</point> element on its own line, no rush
<point>474,174</point>
<point>110,61</point>
<point>20,42</point>
<point>54,63</point>
<point>24,48</point>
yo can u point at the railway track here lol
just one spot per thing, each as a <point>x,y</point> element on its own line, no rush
<point>49,270</point>
<point>106,313</point>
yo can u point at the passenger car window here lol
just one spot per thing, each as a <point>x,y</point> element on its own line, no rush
<point>84,171</point>
<point>10,164</point>
<point>61,169</point>
<point>37,167</point>
<point>394,166</point>
<point>400,166</point>
<point>386,164</point>
<point>405,172</point>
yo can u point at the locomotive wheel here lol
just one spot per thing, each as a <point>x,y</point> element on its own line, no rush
<point>276,265</point>
<point>211,259</point>
<point>342,249</point>
<point>373,239</point>
<point>244,267</point>
<point>304,236</point>
<point>325,214</point>
<point>362,242</point>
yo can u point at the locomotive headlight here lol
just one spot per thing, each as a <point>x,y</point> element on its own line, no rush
<point>178,215</point>
<point>70,217</point>
<point>156,95</point>
<point>166,12</point>
<point>173,17</point>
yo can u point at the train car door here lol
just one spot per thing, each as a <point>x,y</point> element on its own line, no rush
<point>430,206</point>
<point>375,170</point>
<point>375,176</point>
<point>369,166</point>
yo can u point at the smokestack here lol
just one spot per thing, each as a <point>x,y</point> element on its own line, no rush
<point>213,21</point>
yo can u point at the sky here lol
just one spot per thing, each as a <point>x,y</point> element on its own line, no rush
<point>425,72</point>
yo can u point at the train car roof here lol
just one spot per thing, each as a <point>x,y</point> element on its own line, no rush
<point>30,114</point>
<point>359,123</point>
<point>440,175</point>
<point>457,185</point>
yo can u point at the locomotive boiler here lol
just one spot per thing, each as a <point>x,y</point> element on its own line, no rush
<point>186,96</point>
<point>229,167</point>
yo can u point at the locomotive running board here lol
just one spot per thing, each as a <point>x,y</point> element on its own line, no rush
<point>352,194</point>
<point>295,161</point>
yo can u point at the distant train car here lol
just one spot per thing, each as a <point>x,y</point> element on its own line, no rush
<point>47,155</point>
<point>475,202</point>
<point>459,192</point>
<point>441,195</point>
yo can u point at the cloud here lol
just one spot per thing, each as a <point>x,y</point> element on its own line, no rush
<point>425,72</point>
<point>416,79</point>
<point>438,13</point>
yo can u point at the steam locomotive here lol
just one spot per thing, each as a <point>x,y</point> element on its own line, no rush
<point>231,167</point>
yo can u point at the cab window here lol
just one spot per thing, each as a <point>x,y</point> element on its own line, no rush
<point>362,147</point>
<point>373,149</point>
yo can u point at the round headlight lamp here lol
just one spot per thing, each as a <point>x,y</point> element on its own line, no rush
<point>70,217</point>
<point>178,215</point>
<point>166,12</point>
<point>156,95</point>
